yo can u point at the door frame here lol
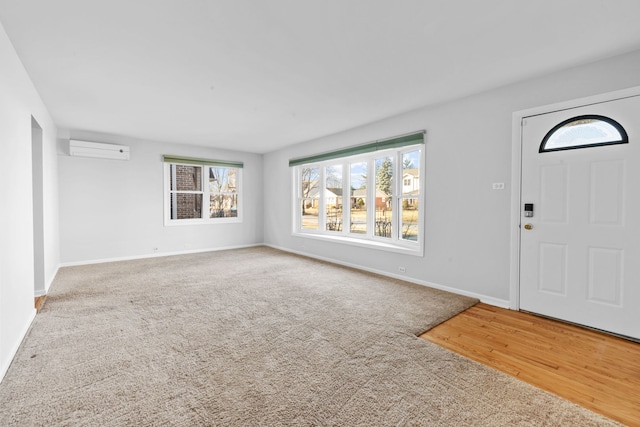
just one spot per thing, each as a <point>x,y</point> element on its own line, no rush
<point>516,174</point>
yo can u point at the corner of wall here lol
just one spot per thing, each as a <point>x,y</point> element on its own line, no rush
<point>13,349</point>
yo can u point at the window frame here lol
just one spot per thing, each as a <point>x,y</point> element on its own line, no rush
<point>206,193</point>
<point>394,243</point>
<point>624,137</point>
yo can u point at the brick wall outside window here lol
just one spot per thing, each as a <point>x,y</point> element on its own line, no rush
<point>202,192</point>
<point>187,205</point>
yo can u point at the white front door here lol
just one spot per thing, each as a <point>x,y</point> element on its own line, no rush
<point>580,249</point>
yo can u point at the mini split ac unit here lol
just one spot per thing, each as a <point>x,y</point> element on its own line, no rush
<point>98,150</point>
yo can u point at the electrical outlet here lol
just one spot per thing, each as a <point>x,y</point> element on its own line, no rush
<point>402,269</point>
<point>498,186</point>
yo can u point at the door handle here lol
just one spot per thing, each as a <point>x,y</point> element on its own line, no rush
<point>528,226</point>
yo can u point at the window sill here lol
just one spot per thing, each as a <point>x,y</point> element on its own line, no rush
<point>415,250</point>
<point>213,221</point>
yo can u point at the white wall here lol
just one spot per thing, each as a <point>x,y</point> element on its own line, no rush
<point>468,147</point>
<point>18,103</point>
<point>112,209</point>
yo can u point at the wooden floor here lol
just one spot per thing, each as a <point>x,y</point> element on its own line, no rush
<point>39,301</point>
<point>592,369</point>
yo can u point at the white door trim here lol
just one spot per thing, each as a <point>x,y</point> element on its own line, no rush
<point>516,174</point>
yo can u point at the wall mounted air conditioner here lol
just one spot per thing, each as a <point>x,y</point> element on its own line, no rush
<point>98,150</point>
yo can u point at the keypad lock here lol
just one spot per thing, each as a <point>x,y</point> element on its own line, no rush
<point>528,210</point>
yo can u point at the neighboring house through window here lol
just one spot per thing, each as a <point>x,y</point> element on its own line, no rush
<point>353,195</point>
<point>200,191</point>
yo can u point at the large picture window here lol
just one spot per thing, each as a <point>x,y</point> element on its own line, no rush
<point>365,195</point>
<point>200,191</point>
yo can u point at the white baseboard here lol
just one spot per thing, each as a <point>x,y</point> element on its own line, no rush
<point>48,284</point>
<point>4,366</point>
<point>156,255</point>
<point>484,298</point>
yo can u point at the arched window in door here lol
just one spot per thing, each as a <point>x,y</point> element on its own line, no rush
<point>582,132</point>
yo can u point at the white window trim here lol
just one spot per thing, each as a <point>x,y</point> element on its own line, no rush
<point>168,222</point>
<point>393,244</point>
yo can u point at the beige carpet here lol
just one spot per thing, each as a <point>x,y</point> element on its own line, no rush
<point>254,337</point>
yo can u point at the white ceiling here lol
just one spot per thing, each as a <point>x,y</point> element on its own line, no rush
<point>256,75</point>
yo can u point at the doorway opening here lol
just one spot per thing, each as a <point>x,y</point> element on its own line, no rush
<point>37,179</point>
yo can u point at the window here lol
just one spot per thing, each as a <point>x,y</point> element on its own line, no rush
<point>358,195</point>
<point>309,177</point>
<point>366,195</point>
<point>333,197</point>
<point>185,184</point>
<point>410,196</point>
<point>223,192</point>
<point>582,132</point>
<point>199,191</point>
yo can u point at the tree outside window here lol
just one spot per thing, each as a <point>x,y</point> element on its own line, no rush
<point>365,197</point>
